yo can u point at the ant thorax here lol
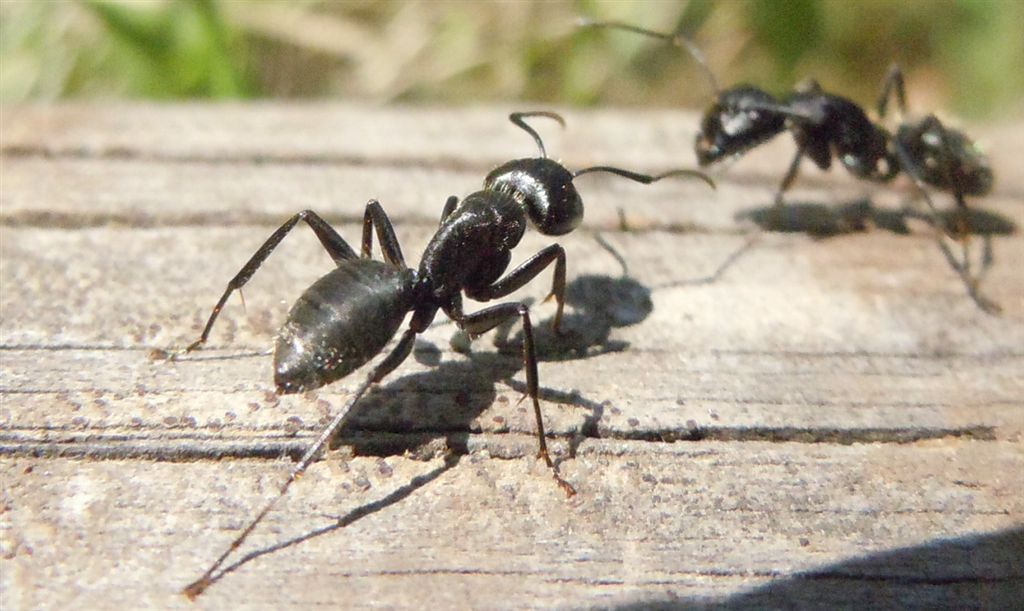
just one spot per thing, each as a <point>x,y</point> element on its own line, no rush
<point>473,245</point>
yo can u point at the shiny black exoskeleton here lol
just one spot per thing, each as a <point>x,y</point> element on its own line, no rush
<point>350,314</point>
<point>824,126</point>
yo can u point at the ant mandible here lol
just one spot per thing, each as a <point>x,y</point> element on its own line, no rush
<point>825,125</point>
<point>348,316</point>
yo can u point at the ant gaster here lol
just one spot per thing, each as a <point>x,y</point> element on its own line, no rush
<point>348,316</point>
<point>940,156</point>
<point>825,125</point>
<point>945,158</point>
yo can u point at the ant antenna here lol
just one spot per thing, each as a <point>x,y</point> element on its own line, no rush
<point>644,178</point>
<point>678,40</point>
<point>517,118</point>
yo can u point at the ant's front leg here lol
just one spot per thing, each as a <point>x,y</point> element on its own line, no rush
<point>893,84</point>
<point>334,244</point>
<point>489,318</point>
<point>521,275</point>
<point>787,181</point>
<point>375,217</point>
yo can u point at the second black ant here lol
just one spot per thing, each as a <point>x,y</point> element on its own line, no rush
<point>350,314</point>
<point>826,126</point>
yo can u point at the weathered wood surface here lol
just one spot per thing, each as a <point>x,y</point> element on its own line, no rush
<point>757,418</point>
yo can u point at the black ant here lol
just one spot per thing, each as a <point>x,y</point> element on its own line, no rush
<point>825,125</point>
<point>348,316</point>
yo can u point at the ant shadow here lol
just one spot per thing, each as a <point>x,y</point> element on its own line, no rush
<point>422,402</point>
<point>824,221</point>
<point>599,305</point>
<point>398,495</point>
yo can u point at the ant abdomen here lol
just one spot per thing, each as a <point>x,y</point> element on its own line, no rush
<point>944,156</point>
<point>342,321</point>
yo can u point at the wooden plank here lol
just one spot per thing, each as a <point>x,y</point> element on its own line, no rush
<point>761,419</point>
<point>882,373</point>
<point>347,134</point>
<point>652,522</point>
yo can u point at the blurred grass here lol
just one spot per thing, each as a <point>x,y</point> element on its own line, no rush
<point>964,56</point>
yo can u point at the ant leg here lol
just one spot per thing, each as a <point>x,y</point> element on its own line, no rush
<point>489,318</point>
<point>392,360</point>
<point>336,247</point>
<point>374,216</point>
<point>938,229</point>
<point>787,181</point>
<point>529,270</point>
<point>893,84</point>
<point>961,224</point>
<point>449,207</point>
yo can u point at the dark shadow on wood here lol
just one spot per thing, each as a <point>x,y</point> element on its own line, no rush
<point>823,221</point>
<point>814,219</point>
<point>421,402</point>
<point>975,572</point>
<point>979,222</point>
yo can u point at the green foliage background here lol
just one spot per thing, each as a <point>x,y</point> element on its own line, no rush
<point>963,56</point>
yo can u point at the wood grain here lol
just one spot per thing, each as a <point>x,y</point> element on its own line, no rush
<point>815,416</point>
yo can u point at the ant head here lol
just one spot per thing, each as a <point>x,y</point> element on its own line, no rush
<point>739,120</point>
<point>736,122</point>
<point>544,187</point>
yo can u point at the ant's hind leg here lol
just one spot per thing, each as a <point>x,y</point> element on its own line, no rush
<point>489,318</point>
<point>400,352</point>
<point>336,247</point>
<point>375,217</point>
<point>962,267</point>
<point>521,275</point>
